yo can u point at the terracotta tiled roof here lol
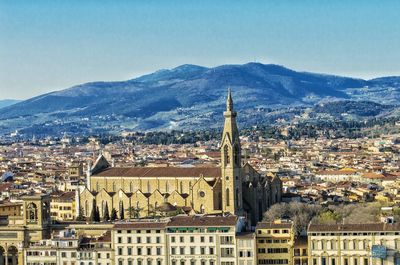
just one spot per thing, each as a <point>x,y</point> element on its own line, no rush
<point>197,221</point>
<point>106,237</point>
<point>214,172</point>
<point>272,225</point>
<point>141,225</point>
<point>374,227</point>
<point>373,176</point>
<point>337,172</point>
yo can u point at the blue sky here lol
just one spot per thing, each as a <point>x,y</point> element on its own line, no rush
<point>51,45</point>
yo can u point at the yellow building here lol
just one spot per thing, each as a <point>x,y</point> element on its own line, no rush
<point>233,187</point>
<point>300,251</point>
<point>62,206</point>
<point>32,225</point>
<point>10,209</point>
<point>275,241</point>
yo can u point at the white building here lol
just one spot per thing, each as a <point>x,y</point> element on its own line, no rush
<point>354,244</point>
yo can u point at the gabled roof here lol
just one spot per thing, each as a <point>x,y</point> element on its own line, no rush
<point>148,172</point>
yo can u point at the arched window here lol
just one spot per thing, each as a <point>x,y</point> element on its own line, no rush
<point>181,187</point>
<point>167,187</point>
<point>114,186</point>
<point>86,208</point>
<point>131,187</point>
<point>148,186</point>
<point>237,156</point>
<point>227,198</point>
<point>97,186</point>
<point>31,213</point>
<point>226,155</point>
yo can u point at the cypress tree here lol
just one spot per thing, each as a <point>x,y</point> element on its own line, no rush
<point>106,214</point>
<point>93,213</point>
<point>97,217</point>
<point>121,211</point>
<point>113,214</point>
<point>80,216</point>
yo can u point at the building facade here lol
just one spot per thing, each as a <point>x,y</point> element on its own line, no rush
<point>275,242</point>
<point>354,244</point>
<point>233,187</point>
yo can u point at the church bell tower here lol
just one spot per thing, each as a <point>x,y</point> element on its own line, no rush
<point>231,162</point>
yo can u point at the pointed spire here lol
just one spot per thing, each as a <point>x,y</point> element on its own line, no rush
<point>229,101</point>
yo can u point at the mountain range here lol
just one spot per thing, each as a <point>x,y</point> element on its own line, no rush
<point>193,97</point>
<point>8,102</point>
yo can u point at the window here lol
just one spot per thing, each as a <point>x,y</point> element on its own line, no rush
<point>148,249</point>
<point>181,239</point>
<point>139,251</point>
<point>158,240</point>
<point>173,250</point>
<point>138,240</point>
<point>192,250</point>
<point>202,239</point>
<point>173,239</point>
<point>227,197</point>
<point>120,251</point>
<point>191,239</point>
<point>211,251</point>
<point>119,239</point>
<point>211,239</point>
<point>182,250</point>
<point>129,251</point>
<point>148,240</point>
<point>158,251</point>
<point>202,250</point>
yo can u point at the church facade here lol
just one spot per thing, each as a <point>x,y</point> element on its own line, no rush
<point>233,187</point>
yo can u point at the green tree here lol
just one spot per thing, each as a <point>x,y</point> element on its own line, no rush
<point>113,214</point>
<point>80,216</point>
<point>106,214</point>
<point>93,214</point>
<point>121,211</point>
<point>97,216</point>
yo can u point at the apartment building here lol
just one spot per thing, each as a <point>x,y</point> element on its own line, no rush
<point>62,206</point>
<point>67,248</point>
<point>202,240</point>
<point>354,244</point>
<point>300,251</point>
<point>275,241</point>
<point>140,243</point>
<point>246,248</point>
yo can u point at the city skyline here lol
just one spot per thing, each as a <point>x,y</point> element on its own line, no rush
<point>50,46</point>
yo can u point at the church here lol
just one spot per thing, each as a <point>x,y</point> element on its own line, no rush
<point>232,188</point>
